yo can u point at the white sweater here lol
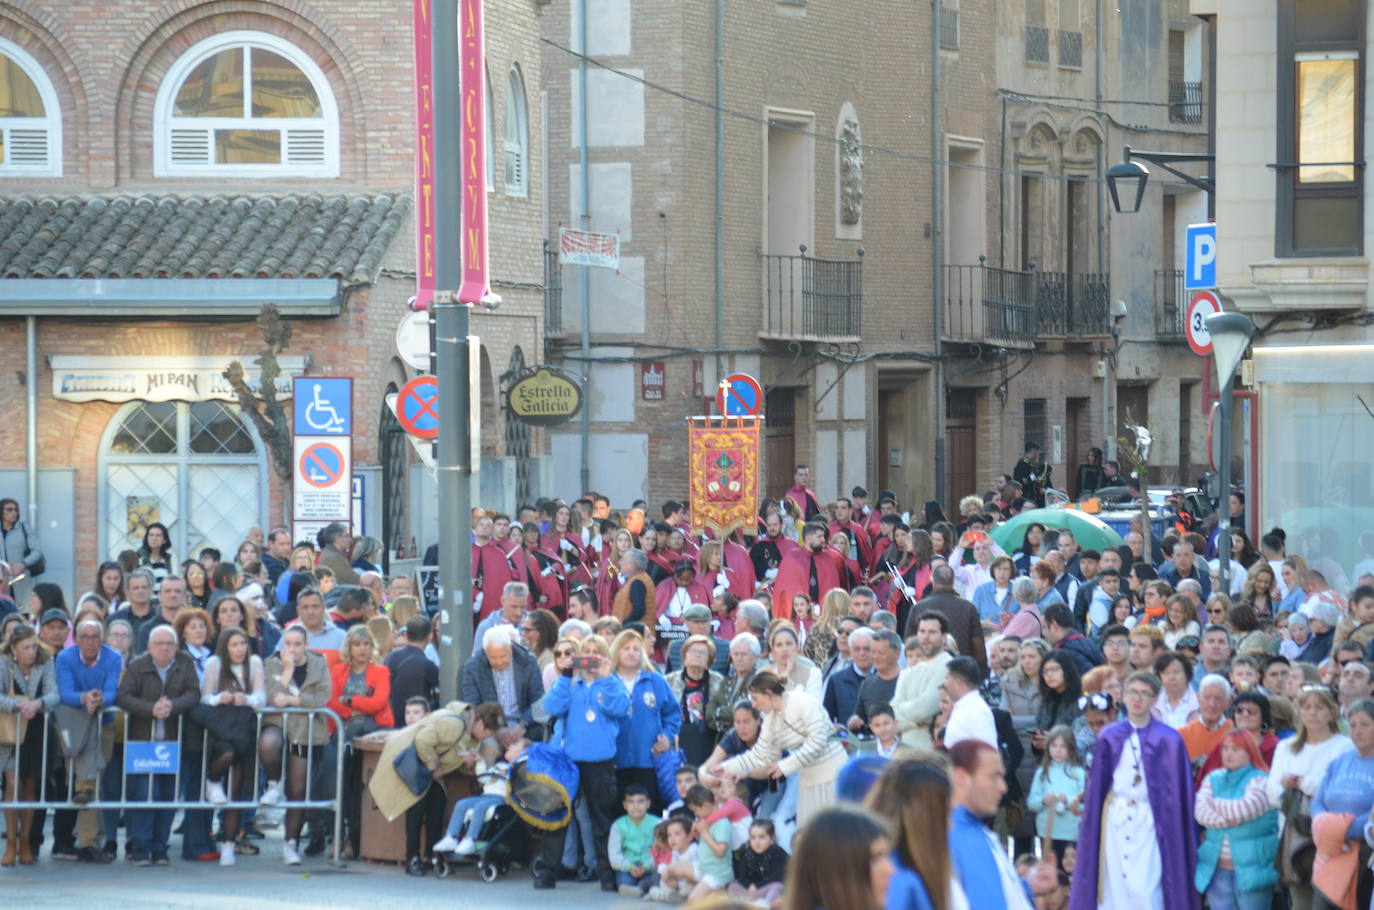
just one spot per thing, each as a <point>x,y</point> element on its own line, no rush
<point>917,699</point>
<point>1309,765</point>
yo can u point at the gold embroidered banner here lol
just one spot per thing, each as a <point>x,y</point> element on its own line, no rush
<point>723,472</point>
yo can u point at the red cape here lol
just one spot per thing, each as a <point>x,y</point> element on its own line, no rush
<point>548,587</point>
<point>490,572</point>
<point>607,584</point>
<point>794,577</point>
<point>697,593</point>
<point>579,562</point>
<point>741,570</point>
<point>806,501</point>
<point>864,556</point>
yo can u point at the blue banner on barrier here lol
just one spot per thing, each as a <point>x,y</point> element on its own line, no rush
<point>152,758</point>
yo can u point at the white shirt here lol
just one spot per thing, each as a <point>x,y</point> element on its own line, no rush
<point>971,718</point>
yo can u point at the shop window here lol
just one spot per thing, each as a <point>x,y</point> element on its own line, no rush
<point>246,104</point>
<point>30,120</point>
<point>196,467</point>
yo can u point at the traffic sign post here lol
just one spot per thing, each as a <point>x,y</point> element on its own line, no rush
<point>417,407</point>
<point>1200,266</point>
<point>1203,304</point>
<point>322,406</point>
<point>740,395</point>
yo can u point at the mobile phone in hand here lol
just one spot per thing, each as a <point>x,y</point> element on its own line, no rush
<point>586,662</point>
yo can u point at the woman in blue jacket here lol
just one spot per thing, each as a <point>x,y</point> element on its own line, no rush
<point>592,707</point>
<point>651,721</point>
<point>913,795</point>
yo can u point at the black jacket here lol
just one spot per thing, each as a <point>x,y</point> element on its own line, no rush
<point>412,673</point>
<point>964,623</point>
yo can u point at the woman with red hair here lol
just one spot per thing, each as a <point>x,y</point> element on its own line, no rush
<point>1235,861</point>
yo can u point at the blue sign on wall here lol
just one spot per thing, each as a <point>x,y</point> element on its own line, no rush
<point>152,758</point>
<point>322,407</point>
<point>1200,267</point>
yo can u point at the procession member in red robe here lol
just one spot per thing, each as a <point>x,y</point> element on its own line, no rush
<point>717,576</point>
<point>768,551</point>
<point>542,570</point>
<point>679,592</point>
<point>913,575</point>
<point>738,561</point>
<point>810,570</point>
<point>887,505</point>
<point>681,546</point>
<point>806,501</point>
<point>654,542</point>
<point>862,547</point>
<point>851,575</point>
<point>490,570</point>
<point>609,579</point>
<point>561,539</point>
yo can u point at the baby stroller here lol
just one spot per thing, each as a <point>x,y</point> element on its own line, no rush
<point>543,785</point>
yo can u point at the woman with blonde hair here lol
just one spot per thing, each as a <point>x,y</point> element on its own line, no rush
<point>784,648</point>
<point>652,724</point>
<point>1259,589</point>
<point>608,579</point>
<point>362,699</point>
<point>820,641</point>
<point>28,692</point>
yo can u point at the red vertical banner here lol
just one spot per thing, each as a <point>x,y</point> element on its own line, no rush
<point>424,154</point>
<point>476,288</point>
<point>723,472</point>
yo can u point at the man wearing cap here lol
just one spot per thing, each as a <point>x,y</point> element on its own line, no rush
<point>697,621</point>
<point>679,592</point>
<point>52,628</point>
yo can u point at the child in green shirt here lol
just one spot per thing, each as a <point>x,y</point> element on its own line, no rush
<point>631,837</point>
<point>715,863</point>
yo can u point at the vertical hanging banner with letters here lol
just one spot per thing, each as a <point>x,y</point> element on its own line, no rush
<point>472,67</point>
<point>723,472</point>
<point>425,252</point>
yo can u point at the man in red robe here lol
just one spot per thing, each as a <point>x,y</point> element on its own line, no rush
<point>768,550</point>
<point>490,569</point>
<point>806,501</point>
<point>844,521</point>
<point>679,592</point>
<point>808,569</point>
<point>542,570</point>
<point>887,505</point>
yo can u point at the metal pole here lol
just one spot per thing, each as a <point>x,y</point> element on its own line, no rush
<point>1224,488</point>
<point>584,273</point>
<point>937,247</point>
<point>720,188</point>
<point>31,417</point>
<point>451,351</point>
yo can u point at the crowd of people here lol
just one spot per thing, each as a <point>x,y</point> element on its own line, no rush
<point>848,706</point>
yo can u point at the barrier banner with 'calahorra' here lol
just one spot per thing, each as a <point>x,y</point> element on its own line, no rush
<point>723,472</point>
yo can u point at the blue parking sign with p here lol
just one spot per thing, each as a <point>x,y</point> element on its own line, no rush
<point>322,406</point>
<point>1200,266</point>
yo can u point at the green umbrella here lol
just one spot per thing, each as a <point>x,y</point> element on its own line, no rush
<point>1090,531</point>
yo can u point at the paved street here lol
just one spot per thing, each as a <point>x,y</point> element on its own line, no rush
<point>263,883</point>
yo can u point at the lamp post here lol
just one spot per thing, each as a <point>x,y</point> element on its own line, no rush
<point>1130,175</point>
<point>1231,334</point>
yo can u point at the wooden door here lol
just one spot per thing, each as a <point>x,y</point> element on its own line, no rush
<point>780,436</point>
<point>961,450</point>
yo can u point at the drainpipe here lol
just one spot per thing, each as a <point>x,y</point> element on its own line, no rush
<point>1108,436</point>
<point>584,275</point>
<point>31,417</point>
<point>936,247</point>
<point>720,188</point>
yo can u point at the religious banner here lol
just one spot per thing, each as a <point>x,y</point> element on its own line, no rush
<point>472,50</point>
<point>424,155</point>
<point>723,472</point>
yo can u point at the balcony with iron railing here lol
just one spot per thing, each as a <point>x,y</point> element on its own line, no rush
<point>1185,102</point>
<point>1011,308</point>
<point>1171,305</point>
<point>553,292</point>
<point>811,299</point>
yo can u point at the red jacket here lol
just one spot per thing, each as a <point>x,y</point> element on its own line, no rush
<point>378,704</point>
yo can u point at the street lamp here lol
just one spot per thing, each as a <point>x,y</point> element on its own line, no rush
<point>1231,334</point>
<point>1132,175</point>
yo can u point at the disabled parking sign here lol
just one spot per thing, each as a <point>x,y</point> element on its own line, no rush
<point>322,406</point>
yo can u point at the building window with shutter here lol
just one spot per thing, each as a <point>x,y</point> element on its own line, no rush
<point>517,137</point>
<point>245,104</point>
<point>30,120</point>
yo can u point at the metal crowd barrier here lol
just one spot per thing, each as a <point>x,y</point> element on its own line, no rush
<point>52,732</point>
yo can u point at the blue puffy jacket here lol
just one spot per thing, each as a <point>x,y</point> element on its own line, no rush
<point>591,715</point>
<point>652,710</point>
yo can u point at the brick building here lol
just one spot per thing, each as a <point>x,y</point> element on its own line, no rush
<point>168,168</point>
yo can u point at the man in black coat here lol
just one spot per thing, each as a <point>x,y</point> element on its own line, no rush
<point>962,616</point>
<point>412,673</point>
<point>503,672</point>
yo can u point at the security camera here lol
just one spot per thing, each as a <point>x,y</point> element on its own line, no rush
<point>1118,309</point>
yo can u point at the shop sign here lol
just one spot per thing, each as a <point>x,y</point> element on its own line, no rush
<point>119,379</point>
<point>544,396</point>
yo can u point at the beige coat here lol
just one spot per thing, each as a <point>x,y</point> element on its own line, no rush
<point>314,694</point>
<point>916,700</point>
<point>440,739</point>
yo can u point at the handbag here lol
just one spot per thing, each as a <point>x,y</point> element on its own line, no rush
<point>12,726</point>
<point>1296,850</point>
<point>412,772</point>
<point>39,565</point>
<point>232,728</point>
<point>666,764</point>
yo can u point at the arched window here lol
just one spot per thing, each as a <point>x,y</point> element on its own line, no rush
<point>245,104</point>
<point>517,137</point>
<point>197,467</point>
<point>30,120</point>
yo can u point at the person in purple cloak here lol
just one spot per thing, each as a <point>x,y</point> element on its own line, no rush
<point>1137,847</point>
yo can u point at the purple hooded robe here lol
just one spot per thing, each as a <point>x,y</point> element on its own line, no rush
<point>1169,779</point>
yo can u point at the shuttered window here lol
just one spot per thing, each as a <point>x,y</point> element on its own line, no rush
<point>517,137</point>
<point>30,120</point>
<point>246,104</point>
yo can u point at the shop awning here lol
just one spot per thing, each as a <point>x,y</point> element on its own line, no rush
<point>190,256</point>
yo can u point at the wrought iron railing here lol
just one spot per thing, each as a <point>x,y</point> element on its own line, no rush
<point>553,291</point>
<point>1071,304</point>
<point>989,306</point>
<point>1171,303</point>
<point>807,297</point>
<point>1185,102</point>
<point>1071,49</point>
<point>1037,44</point>
<point>949,28</point>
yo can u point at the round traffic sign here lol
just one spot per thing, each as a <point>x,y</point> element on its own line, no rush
<point>740,395</point>
<point>417,407</point>
<point>322,465</point>
<point>1204,304</point>
<point>412,339</point>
